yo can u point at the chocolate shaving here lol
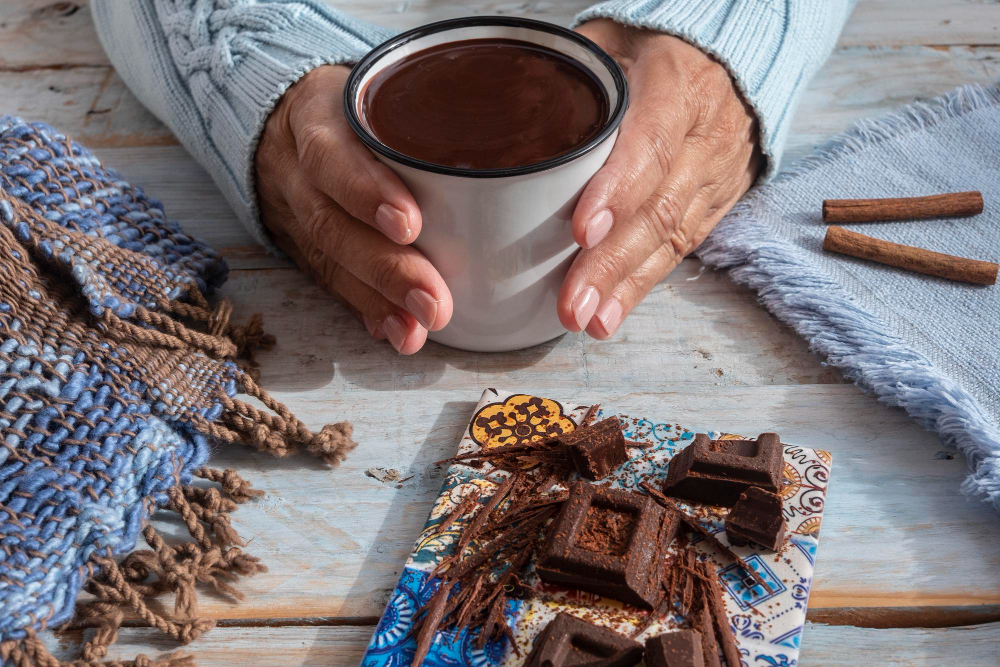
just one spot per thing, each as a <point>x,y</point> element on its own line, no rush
<point>500,544</point>
<point>590,414</point>
<point>709,646</point>
<point>469,533</point>
<point>640,445</point>
<point>730,650</point>
<point>696,525</point>
<point>463,508</point>
<point>435,612</point>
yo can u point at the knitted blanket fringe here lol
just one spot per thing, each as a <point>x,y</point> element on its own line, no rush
<point>213,557</point>
<point>850,338</point>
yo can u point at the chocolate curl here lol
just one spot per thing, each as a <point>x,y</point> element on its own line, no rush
<point>463,508</point>
<point>519,498</point>
<point>589,416</point>
<point>494,619</point>
<point>469,533</point>
<point>435,611</point>
<point>696,526</point>
<point>687,598</point>
<point>637,444</point>
<point>709,647</point>
<point>504,450</point>
<point>718,608</point>
<point>530,510</point>
<point>470,606</point>
<point>500,544</point>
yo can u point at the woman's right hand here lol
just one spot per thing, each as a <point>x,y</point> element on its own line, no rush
<point>344,217</point>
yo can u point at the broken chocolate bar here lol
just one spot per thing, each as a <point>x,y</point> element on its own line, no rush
<point>609,542</point>
<point>757,517</point>
<point>716,472</point>
<point>675,649</point>
<point>596,450</point>
<point>568,641</point>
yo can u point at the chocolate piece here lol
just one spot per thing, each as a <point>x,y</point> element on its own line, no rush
<point>757,517</point>
<point>716,472</point>
<point>609,542</point>
<point>675,649</point>
<point>596,450</point>
<point>567,641</point>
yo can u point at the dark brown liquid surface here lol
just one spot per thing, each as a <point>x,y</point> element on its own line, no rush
<point>485,104</point>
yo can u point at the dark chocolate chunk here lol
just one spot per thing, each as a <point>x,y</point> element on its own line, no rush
<point>716,472</point>
<point>757,517</point>
<point>568,641</point>
<point>609,542</point>
<point>596,450</point>
<point>675,649</point>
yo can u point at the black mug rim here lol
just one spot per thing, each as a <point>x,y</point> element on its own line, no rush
<point>368,61</point>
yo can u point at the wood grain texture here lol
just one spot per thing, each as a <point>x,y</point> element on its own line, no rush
<point>694,329</point>
<point>826,645</point>
<point>899,545</point>
<point>896,532</point>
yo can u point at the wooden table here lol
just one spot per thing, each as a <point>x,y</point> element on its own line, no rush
<point>908,571</point>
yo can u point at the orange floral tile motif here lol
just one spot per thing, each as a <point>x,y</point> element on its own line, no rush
<point>519,420</point>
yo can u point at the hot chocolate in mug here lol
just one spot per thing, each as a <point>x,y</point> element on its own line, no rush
<point>499,234</point>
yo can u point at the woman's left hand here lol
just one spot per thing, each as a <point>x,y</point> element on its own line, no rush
<point>686,152</point>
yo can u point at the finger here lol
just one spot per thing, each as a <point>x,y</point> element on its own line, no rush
<point>341,167</point>
<point>630,292</point>
<point>651,134</point>
<point>380,316</point>
<point>596,271</point>
<point>399,273</point>
<point>636,286</point>
<point>383,319</point>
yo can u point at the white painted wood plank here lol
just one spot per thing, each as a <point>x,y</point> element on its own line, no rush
<point>865,82</point>
<point>928,22</point>
<point>832,646</point>
<point>47,33</point>
<point>897,533</point>
<point>92,104</point>
<point>695,328</point>
<point>341,646</point>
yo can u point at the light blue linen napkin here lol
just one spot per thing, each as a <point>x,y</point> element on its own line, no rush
<point>925,344</point>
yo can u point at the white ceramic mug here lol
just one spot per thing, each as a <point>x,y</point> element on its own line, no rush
<point>501,238</point>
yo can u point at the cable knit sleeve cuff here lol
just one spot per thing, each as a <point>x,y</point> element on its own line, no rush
<point>772,49</point>
<point>238,62</point>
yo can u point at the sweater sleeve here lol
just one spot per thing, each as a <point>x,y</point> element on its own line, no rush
<point>772,48</point>
<point>212,71</point>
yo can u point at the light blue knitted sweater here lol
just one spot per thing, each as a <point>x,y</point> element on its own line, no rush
<point>212,70</point>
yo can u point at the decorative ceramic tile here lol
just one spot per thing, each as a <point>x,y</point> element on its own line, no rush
<point>767,625</point>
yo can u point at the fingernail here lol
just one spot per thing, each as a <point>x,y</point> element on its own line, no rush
<point>393,223</point>
<point>597,228</point>
<point>585,305</point>
<point>609,315</point>
<point>422,306</point>
<point>395,331</point>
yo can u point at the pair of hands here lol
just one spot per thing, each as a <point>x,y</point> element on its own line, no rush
<point>686,151</point>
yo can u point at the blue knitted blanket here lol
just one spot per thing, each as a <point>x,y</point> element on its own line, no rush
<point>116,377</point>
<point>925,344</point>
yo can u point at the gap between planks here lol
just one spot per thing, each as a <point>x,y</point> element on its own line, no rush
<point>859,617</point>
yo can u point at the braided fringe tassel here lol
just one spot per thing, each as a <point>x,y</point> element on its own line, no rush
<point>279,433</point>
<point>213,557</point>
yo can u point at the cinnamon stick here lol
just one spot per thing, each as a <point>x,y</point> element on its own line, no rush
<point>949,205</point>
<point>901,256</point>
